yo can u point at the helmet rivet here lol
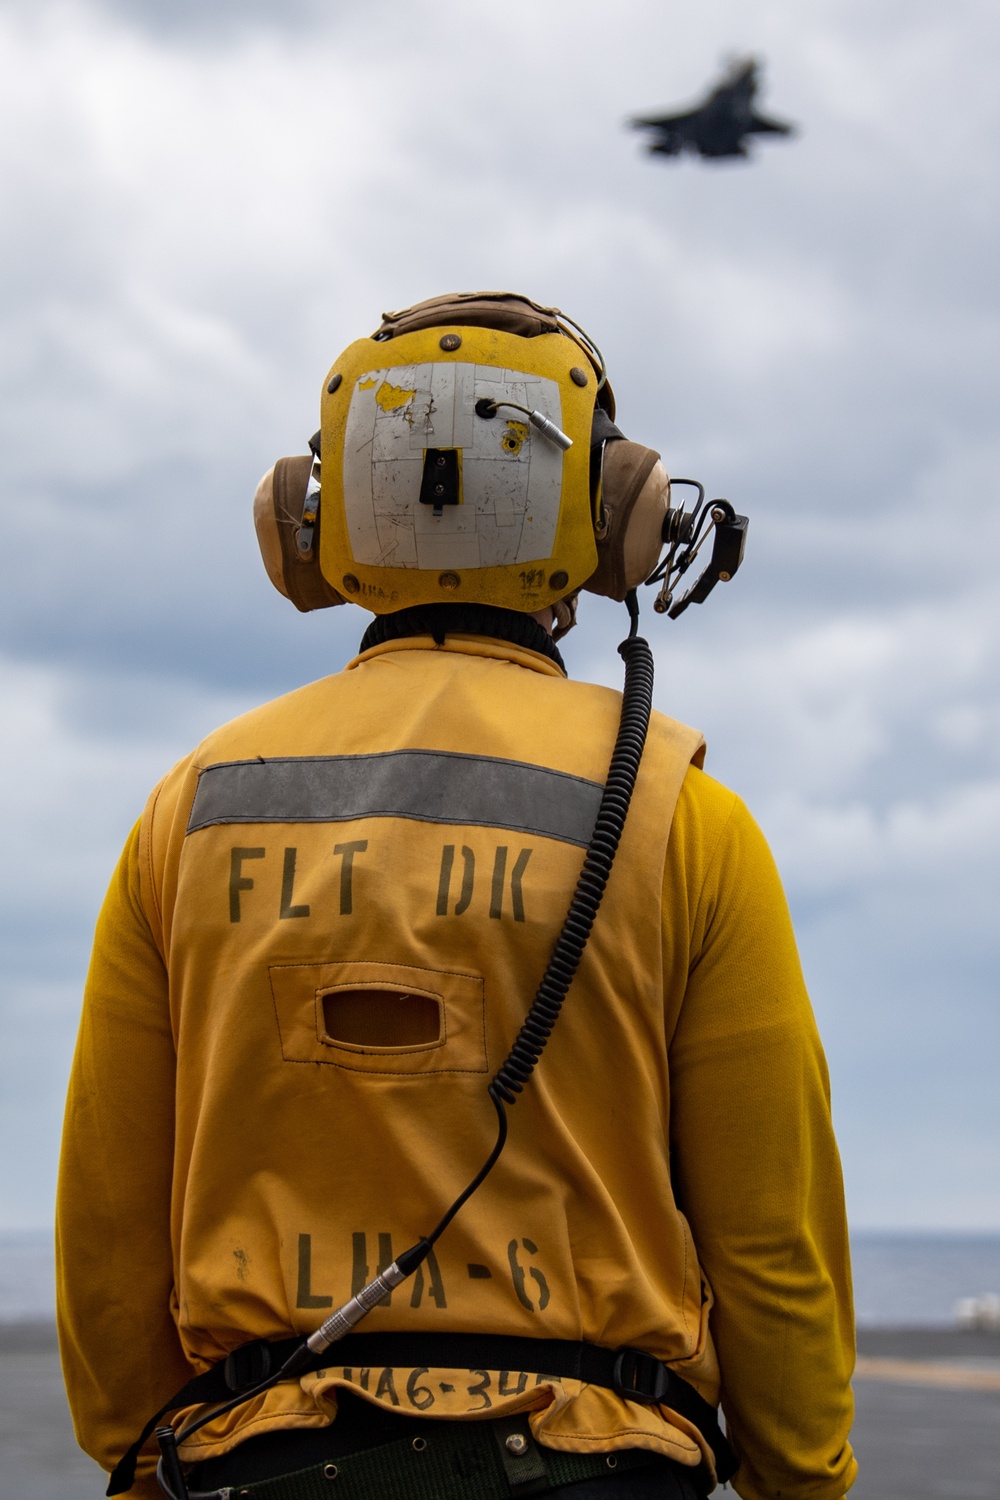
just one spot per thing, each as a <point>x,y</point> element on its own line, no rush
<point>330,1471</point>
<point>351,584</point>
<point>419,1445</point>
<point>334,384</point>
<point>441,461</point>
<point>517,1444</point>
<point>449,580</point>
<point>578,376</point>
<point>439,489</point>
<point>451,341</point>
<point>559,580</point>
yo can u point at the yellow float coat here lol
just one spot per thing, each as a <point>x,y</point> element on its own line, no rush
<point>234,1165</point>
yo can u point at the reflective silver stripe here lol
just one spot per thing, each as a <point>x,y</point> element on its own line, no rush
<point>429,785</point>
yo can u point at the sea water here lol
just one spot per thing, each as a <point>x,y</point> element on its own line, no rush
<point>27,1275</point>
<point>900,1280</point>
<point>907,1280</point>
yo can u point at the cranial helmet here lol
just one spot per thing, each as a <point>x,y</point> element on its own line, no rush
<point>467,453</point>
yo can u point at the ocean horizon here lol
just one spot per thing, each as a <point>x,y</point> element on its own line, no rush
<point>901,1278</point>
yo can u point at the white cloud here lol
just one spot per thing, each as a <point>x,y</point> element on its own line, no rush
<point>74,777</point>
<point>77,774</point>
<point>849,844</point>
<point>197,217</point>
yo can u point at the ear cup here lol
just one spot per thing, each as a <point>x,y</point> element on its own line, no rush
<point>277,515</point>
<point>643,540</point>
<point>635,498</point>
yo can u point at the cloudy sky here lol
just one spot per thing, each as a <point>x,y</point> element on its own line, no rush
<point>203,201</point>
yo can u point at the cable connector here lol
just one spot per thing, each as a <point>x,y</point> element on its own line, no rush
<point>169,1467</point>
<point>487,407</point>
<point>347,1317</point>
<point>549,429</point>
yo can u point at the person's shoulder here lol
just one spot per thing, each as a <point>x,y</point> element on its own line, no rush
<point>708,800</point>
<point>715,833</point>
<point>271,728</point>
<point>267,727</point>
<point>713,818</point>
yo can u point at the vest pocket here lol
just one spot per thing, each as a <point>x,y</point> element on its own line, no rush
<point>378,1018</point>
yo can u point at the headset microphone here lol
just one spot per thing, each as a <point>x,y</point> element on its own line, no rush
<point>685,532</point>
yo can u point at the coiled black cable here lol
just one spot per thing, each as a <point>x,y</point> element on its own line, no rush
<point>521,1060</point>
<point>637,703</point>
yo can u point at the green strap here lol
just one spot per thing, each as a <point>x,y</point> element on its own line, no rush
<point>468,1461</point>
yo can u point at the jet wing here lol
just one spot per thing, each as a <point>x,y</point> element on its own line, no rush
<point>761,125</point>
<point>665,122</point>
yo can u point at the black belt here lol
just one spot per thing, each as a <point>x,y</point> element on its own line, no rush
<point>632,1373</point>
<point>447,1460</point>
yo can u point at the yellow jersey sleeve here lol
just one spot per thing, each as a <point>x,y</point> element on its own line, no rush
<point>755,1162</point>
<point>121,1353</point>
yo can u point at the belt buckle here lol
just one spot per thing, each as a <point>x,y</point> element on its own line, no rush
<point>640,1376</point>
<point>247,1365</point>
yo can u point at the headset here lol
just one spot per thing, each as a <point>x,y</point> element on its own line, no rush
<point>631,517</point>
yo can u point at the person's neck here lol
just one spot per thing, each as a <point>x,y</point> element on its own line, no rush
<point>440,620</point>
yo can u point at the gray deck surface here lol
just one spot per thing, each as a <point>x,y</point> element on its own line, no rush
<point>913,1442</point>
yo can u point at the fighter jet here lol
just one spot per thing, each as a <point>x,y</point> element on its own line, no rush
<point>719,127</point>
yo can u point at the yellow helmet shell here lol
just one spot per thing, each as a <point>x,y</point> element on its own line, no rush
<point>522,534</point>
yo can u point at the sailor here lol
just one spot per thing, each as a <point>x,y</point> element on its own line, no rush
<point>304,1031</point>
